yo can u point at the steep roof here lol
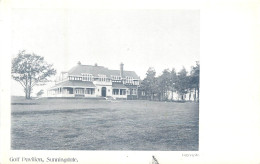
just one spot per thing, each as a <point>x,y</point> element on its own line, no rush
<point>95,70</point>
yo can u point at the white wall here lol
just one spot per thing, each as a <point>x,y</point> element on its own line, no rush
<point>98,90</point>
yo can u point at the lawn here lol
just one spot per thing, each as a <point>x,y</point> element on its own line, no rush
<point>85,124</point>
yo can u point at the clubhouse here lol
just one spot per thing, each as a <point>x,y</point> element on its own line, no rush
<point>92,81</point>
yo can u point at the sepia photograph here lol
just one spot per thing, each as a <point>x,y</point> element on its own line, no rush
<point>105,80</point>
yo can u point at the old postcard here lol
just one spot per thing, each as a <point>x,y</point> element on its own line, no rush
<point>99,83</point>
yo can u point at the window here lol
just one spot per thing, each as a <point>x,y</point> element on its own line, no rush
<point>102,78</point>
<point>129,80</point>
<point>122,91</point>
<point>134,91</point>
<point>79,91</point>
<point>143,93</point>
<point>90,91</point>
<point>75,78</point>
<point>87,77</point>
<point>136,82</point>
<point>115,91</point>
<point>115,77</point>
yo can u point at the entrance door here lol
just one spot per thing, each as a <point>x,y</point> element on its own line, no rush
<point>104,91</point>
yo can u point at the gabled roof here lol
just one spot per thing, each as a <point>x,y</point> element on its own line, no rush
<point>95,70</point>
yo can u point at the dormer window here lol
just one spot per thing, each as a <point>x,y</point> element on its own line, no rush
<point>129,80</point>
<point>71,78</point>
<point>102,77</point>
<point>115,77</point>
<point>136,82</point>
<point>78,78</point>
<point>87,77</point>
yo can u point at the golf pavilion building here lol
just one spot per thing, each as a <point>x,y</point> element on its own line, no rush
<point>96,82</point>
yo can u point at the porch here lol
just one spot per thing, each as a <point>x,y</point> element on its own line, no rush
<point>119,91</point>
<point>72,89</point>
<point>71,92</point>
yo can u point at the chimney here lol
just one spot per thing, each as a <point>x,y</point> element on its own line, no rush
<point>121,69</point>
<point>79,63</point>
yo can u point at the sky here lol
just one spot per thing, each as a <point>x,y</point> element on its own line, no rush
<point>138,38</point>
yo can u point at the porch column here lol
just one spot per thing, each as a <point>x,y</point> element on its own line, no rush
<point>137,94</point>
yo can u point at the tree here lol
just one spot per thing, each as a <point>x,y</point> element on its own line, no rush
<point>195,80</point>
<point>164,84</point>
<point>30,70</point>
<point>173,80</point>
<point>149,83</point>
<point>190,86</point>
<point>182,83</point>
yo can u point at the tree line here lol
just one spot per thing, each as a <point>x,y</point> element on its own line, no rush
<point>31,70</point>
<point>170,81</point>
